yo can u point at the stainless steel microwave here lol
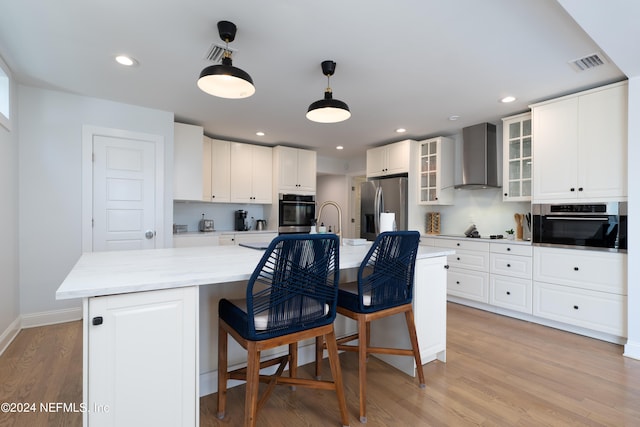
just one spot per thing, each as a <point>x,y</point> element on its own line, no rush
<point>597,226</point>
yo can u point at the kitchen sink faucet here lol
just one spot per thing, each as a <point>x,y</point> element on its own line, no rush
<point>329,202</point>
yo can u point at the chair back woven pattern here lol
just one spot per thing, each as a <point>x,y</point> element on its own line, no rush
<point>387,271</point>
<point>295,284</point>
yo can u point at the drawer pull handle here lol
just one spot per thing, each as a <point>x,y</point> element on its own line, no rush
<point>446,266</point>
<point>575,269</point>
<point>575,307</point>
<point>508,293</point>
<point>97,320</point>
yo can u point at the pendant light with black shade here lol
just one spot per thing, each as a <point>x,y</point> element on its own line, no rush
<point>328,110</point>
<point>224,80</point>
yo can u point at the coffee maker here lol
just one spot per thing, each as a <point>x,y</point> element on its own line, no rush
<point>241,220</point>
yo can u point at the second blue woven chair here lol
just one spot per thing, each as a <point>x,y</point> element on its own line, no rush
<point>384,287</point>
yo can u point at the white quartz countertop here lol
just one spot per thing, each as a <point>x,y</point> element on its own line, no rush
<point>109,273</point>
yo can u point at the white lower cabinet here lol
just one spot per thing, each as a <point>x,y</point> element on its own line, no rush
<point>599,311</point>
<point>581,288</point>
<point>468,275</point>
<point>511,292</point>
<point>141,359</point>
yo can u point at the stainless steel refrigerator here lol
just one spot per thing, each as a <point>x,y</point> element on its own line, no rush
<point>382,195</point>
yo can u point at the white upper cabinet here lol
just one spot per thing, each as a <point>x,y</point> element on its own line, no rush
<point>187,162</point>
<point>436,157</point>
<point>389,159</point>
<point>251,173</point>
<point>295,170</point>
<point>517,155</point>
<point>216,164</point>
<point>580,147</point>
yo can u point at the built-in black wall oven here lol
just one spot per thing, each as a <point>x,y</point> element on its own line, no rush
<point>296,213</point>
<point>600,226</point>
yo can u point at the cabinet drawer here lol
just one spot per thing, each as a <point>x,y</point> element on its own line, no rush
<point>463,244</point>
<point>599,311</point>
<point>473,260</point>
<point>505,248</point>
<point>512,293</point>
<point>468,284</point>
<point>595,270</point>
<point>511,265</point>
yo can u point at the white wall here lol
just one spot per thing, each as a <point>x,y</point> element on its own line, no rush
<point>9,281</point>
<point>632,349</point>
<point>49,172</point>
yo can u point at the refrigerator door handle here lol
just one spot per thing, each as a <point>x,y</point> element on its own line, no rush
<point>378,208</point>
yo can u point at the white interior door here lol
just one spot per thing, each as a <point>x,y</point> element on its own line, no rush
<point>125,190</point>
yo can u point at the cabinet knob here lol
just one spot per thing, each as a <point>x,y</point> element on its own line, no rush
<point>508,293</point>
<point>575,307</point>
<point>458,244</point>
<point>508,265</point>
<point>213,196</point>
<point>580,189</point>
<point>508,249</point>
<point>97,320</point>
<point>506,194</point>
<point>458,258</point>
<point>457,282</point>
<point>572,189</point>
<point>575,269</point>
<point>446,267</point>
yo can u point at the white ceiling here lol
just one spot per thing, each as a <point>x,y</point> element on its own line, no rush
<point>401,63</point>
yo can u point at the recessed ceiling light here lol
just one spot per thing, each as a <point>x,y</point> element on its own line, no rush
<point>401,130</point>
<point>454,118</point>
<point>260,133</point>
<point>339,147</point>
<point>508,99</point>
<point>125,60</point>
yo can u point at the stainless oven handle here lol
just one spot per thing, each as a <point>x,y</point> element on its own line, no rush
<point>573,218</point>
<point>297,203</point>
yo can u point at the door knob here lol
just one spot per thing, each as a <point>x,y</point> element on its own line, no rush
<point>149,234</point>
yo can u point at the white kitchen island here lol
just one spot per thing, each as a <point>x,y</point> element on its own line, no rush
<point>142,316</point>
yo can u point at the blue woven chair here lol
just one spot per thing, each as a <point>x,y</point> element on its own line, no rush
<point>291,296</point>
<point>384,287</point>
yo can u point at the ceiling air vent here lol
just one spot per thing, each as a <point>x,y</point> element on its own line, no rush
<point>588,62</point>
<point>215,52</point>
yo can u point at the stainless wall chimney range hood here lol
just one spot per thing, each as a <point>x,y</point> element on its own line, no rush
<point>479,157</point>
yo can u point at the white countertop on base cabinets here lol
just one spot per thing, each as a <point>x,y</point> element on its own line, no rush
<point>476,239</point>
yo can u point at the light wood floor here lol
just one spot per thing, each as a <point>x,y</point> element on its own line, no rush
<point>499,372</point>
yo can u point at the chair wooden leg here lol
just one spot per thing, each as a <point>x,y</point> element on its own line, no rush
<point>253,380</point>
<point>414,345</point>
<point>293,362</point>
<point>222,372</point>
<point>319,352</point>
<point>362,367</point>
<point>336,371</point>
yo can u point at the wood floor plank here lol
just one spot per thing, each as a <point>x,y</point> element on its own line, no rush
<point>499,371</point>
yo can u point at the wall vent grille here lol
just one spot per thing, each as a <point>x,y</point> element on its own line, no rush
<point>588,62</point>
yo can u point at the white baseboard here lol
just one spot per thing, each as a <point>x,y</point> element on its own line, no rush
<point>51,317</point>
<point>632,350</point>
<point>9,334</point>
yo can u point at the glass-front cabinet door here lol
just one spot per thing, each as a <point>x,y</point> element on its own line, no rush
<point>436,171</point>
<point>517,155</point>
